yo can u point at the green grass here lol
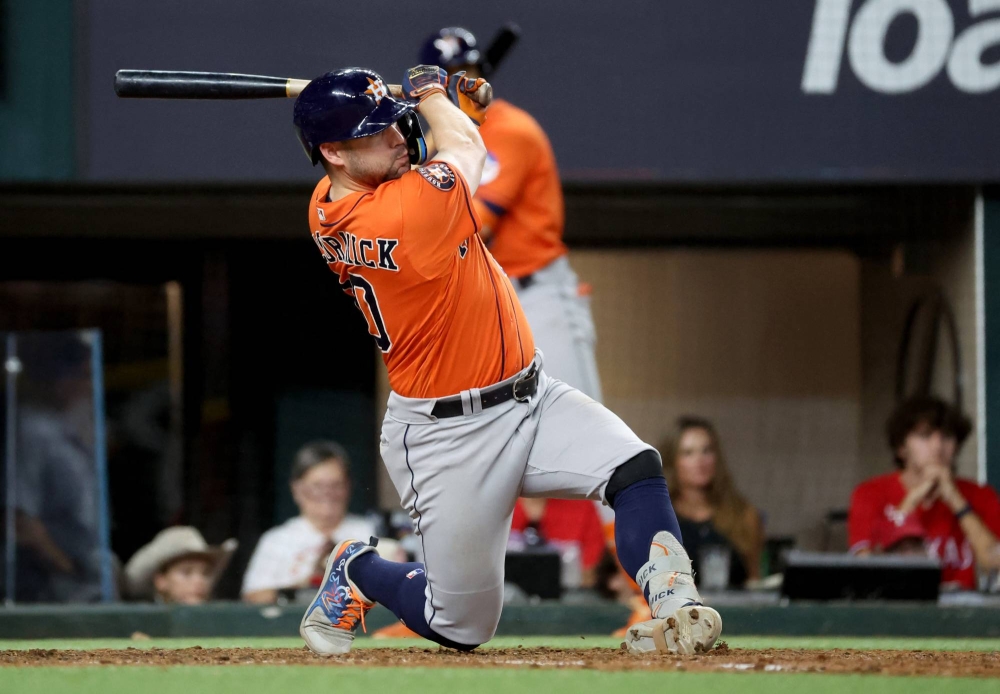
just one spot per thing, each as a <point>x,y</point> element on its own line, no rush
<point>824,642</point>
<point>253,679</point>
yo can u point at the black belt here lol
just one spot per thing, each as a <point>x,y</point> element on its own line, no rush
<point>524,282</point>
<point>520,389</point>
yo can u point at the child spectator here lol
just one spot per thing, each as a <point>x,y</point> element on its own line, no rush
<point>178,566</point>
<point>960,519</point>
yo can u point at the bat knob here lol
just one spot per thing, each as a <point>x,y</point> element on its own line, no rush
<point>484,95</point>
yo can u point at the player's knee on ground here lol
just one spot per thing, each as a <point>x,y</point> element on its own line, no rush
<point>466,619</point>
<point>645,465</point>
<point>465,648</point>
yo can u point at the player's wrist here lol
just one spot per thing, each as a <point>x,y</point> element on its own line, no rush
<point>436,97</point>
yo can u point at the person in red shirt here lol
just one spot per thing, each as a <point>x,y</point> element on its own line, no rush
<point>960,518</point>
<point>568,525</point>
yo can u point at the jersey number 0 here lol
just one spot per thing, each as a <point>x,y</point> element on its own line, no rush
<point>367,303</point>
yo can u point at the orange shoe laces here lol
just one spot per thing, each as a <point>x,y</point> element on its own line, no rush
<point>353,613</point>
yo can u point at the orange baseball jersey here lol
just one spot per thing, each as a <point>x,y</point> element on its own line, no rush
<point>520,196</point>
<point>439,307</point>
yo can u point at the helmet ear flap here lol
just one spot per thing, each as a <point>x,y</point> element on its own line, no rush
<point>416,145</point>
<point>312,153</point>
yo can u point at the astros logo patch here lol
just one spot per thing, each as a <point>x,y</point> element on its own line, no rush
<point>438,175</point>
<point>377,89</point>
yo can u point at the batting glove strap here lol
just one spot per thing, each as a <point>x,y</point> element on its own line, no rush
<point>424,80</point>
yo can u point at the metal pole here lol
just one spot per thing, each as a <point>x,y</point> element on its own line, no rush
<point>101,466</point>
<point>982,449</point>
<point>12,367</point>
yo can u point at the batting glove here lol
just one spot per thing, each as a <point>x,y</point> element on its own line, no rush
<point>462,92</point>
<point>423,80</point>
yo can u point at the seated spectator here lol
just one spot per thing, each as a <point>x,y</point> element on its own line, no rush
<point>572,528</point>
<point>712,514</point>
<point>178,566</point>
<point>55,493</point>
<point>960,520</point>
<point>292,556</point>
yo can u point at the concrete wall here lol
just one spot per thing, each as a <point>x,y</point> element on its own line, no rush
<point>764,343</point>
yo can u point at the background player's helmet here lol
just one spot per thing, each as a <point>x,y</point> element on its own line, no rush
<point>451,48</point>
<point>344,105</point>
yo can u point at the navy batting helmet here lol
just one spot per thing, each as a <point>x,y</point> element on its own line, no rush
<point>344,105</point>
<point>451,47</point>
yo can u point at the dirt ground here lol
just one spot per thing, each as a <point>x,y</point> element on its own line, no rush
<point>721,659</point>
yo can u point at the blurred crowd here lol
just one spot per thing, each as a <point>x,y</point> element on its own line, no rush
<point>557,548</point>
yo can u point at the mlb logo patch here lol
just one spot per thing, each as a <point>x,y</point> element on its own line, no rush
<point>321,214</point>
<point>415,572</point>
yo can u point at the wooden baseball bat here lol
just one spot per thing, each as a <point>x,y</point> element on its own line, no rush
<point>172,84</point>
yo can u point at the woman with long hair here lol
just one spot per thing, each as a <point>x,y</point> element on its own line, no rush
<point>711,512</point>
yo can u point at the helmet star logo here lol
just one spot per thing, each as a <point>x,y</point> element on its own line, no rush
<point>377,89</point>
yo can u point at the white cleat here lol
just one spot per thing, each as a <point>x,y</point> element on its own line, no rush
<point>680,624</point>
<point>689,630</point>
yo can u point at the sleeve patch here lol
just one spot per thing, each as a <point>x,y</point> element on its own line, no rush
<point>439,175</point>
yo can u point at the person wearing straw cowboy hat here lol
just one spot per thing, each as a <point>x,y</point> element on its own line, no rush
<point>178,566</point>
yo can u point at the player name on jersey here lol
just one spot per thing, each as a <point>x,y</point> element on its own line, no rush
<point>347,248</point>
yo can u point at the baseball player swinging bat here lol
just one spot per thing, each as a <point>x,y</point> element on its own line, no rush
<point>172,84</point>
<point>473,421</point>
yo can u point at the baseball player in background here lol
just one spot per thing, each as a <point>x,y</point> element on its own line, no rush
<point>473,420</point>
<point>520,203</point>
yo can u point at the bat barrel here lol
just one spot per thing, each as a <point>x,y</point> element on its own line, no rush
<point>163,84</point>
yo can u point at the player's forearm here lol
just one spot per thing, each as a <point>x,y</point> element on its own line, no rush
<point>456,137</point>
<point>452,129</point>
